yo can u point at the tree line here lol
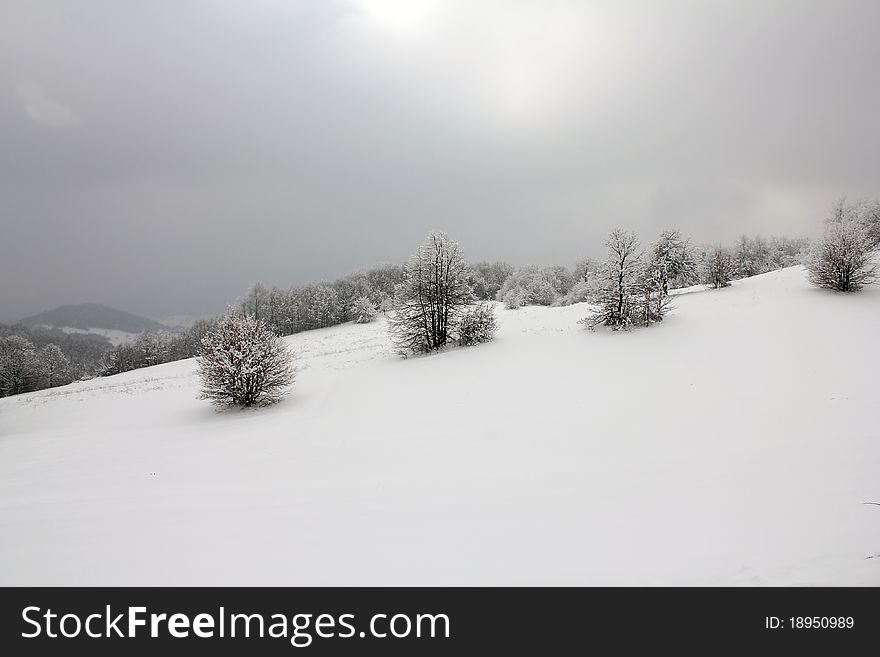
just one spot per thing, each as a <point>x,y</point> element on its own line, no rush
<point>437,298</point>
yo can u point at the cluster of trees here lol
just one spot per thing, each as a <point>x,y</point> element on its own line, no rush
<point>37,358</point>
<point>431,302</point>
<point>318,305</point>
<point>25,368</point>
<point>486,278</point>
<point>713,265</point>
<point>358,297</point>
<point>633,284</point>
<point>85,351</point>
<point>536,286</point>
<point>751,256</point>
<point>243,362</point>
<point>154,348</point>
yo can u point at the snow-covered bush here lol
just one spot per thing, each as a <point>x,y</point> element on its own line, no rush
<point>477,324</point>
<point>842,259</point>
<point>429,302</point>
<point>582,291</point>
<point>535,284</point>
<point>243,363</point>
<point>363,311</point>
<point>515,298</point>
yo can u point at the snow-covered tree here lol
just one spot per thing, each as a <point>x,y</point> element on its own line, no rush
<point>583,268</point>
<point>243,363</point>
<point>429,302</point>
<point>560,278</point>
<point>326,309</point>
<point>381,281</point>
<point>363,311</point>
<point>582,291</point>
<point>672,261</point>
<point>619,283</point>
<point>54,366</point>
<point>477,324</point>
<point>19,368</point>
<point>842,260</point>
<point>652,302</point>
<point>862,211</point>
<point>868,213</point>
<point>151,348</point>
<point>254,301</point>
<point>515,298</point>
<point>717,267</point>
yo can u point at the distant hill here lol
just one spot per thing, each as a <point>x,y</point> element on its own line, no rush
<point>92,316</point>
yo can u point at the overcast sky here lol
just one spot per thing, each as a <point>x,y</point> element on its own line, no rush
<point>159,156</point>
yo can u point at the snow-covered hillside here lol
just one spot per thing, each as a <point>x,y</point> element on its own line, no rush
<point>733,444</point>
<point>113,336</point>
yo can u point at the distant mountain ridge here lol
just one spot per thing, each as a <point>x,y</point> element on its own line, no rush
<point>92,316</point>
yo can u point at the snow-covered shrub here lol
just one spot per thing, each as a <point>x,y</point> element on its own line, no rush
<point>477,324</point>
<point>429,302</point>
<point>363,311</point>
<point>515,298</point>
<point>842,259</point>
<point>717,267</point>
<point>536,285</point>
<point>243,363</point>
<point>582,291</point>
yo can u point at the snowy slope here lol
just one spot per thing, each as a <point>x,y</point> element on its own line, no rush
<point>115,337</point>
<point>733,444</point>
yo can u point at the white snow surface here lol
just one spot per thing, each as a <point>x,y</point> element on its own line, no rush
<point>733,444</point>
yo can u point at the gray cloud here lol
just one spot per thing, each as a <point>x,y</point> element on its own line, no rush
<point>225,142</point>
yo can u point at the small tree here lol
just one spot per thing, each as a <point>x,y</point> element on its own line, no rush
<point>672,261</point>
<point>583,268</point>
<point>653,302</point>
<point>842,259</point>
<point>620,284</point>
<point>363,310</point>
<point>477,325</point>
<point>243,363</point>
<point>429,302</point>
<point>717,267</point>
<point>254,301</point>
<point>515,298</point>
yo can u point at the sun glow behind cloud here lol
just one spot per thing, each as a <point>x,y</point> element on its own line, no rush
<point>522,65</point>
